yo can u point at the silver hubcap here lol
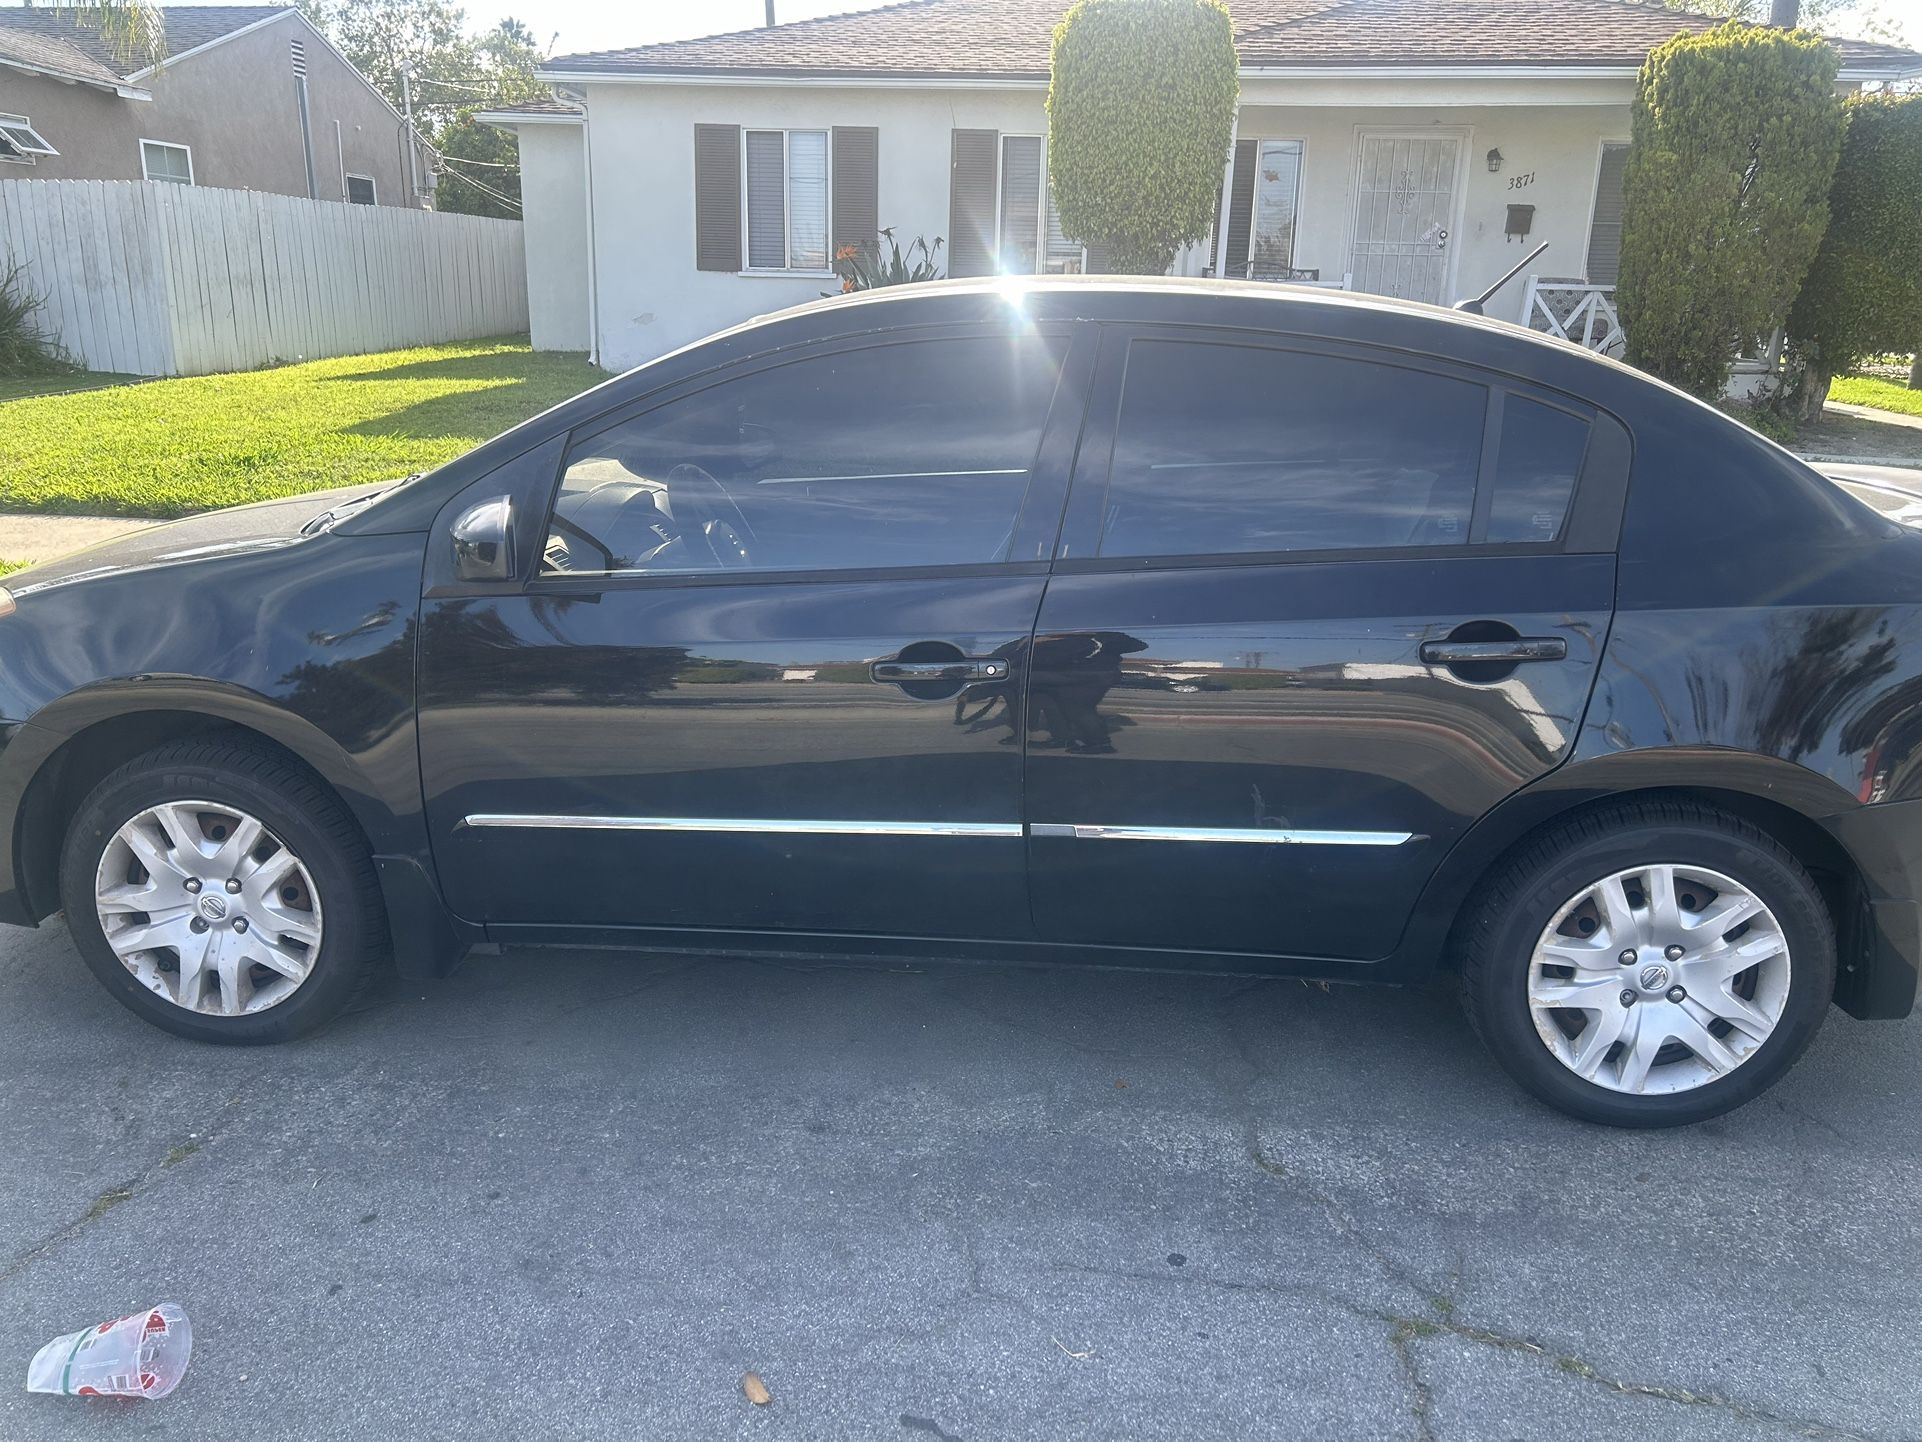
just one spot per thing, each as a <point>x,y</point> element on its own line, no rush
<point>208,908</point>
<point>1659,979</point>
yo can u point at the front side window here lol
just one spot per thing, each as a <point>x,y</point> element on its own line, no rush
<point>916,453</point>
<point>1243,449</point>
<point>787,199</point>
<point>171,164</point>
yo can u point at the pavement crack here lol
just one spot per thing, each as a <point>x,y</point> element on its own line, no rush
<point>121,1192</point>
<point>1421,1403</point>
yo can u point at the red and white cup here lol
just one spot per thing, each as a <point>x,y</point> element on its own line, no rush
<point>144,1355</point>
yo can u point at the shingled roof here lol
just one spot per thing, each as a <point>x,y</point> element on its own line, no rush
<point>54,41</point>
<point>1008,39</point>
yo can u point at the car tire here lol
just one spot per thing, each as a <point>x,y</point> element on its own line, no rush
<point>1554,899</point>
<point>308,874</point>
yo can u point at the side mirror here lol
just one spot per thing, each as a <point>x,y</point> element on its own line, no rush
<point>484,541</point>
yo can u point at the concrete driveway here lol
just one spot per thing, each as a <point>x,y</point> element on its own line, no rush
<point>579,1194</point>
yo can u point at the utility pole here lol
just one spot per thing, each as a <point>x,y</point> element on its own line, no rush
<point>1783,14</point>
<point>413,148</point>
<point>770,14</point>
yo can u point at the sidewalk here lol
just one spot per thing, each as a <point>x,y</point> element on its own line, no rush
<point>41,538</point>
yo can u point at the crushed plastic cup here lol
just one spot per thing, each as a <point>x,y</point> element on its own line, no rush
<point>144,1355</point>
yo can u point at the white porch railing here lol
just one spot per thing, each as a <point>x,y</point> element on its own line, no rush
<point>1574,310</point>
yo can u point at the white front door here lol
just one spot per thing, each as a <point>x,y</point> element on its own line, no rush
<point>1405,214</point>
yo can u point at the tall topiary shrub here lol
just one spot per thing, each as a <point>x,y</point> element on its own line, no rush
<point>1863,295</point>
<point>1735,137</point>
<point>1140,108</point>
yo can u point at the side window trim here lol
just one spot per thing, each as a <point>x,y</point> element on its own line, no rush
<point>1038,517</point>
<point>1591,525</point>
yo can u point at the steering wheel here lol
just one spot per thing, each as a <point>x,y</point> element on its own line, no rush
<point>704,508</point>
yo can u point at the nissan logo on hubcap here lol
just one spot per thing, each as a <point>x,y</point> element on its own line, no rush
<point>215,907</point>
<point>1654,978</point>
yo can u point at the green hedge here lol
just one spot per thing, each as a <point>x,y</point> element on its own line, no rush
<point>1863,295</point>
<point>1140,109</point>
<point>1735,135</point>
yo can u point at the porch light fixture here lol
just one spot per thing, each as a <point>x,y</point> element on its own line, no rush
<point>1494,162</point>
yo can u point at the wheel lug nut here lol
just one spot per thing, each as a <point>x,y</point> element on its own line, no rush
<point>1628,997</point>
<point>240,924</point>
<point>1628,956</point>
<point>1675,993</point>
<point>1675,953</point>
<point>197,924</point>
<point>193,886</point>
<point>233,885</point>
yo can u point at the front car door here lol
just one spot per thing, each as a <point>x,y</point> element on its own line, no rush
<point>1317,609</point>
<point>770,672</point>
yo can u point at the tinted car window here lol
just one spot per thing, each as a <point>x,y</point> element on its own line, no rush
<point>912,454</point>
<point>1226,448</point>
<point>1535,470</point>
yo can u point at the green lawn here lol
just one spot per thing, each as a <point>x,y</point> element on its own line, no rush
<point>1883,395</point>
<point>175,446</point>
<point>13,388</point>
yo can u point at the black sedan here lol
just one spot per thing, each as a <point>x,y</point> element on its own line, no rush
<point>1150,624</point>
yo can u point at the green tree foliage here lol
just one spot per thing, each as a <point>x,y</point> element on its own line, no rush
<point>452,74</point>
<point>1140,109</point>
<point>133,30</point>
<point>1863,295</point>
<point>1735,138</point>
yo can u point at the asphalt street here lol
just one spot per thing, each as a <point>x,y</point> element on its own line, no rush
<point>571,1194</point>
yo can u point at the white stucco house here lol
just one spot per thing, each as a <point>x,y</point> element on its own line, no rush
<point>1416,148</point>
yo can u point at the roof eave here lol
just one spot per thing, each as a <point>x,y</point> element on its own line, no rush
<point>508,119</point>
<point>67,77</point>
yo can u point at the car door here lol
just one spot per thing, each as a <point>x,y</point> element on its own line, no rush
<point>769,672</point>
<point>1316,609</point>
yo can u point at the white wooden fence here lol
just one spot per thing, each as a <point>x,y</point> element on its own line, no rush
<point>160,279</point>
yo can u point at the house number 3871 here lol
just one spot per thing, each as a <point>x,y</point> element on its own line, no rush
<point>1522,181</point>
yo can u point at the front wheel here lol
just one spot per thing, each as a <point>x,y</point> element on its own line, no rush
<point>222,893</point>
<point>1651,964</point>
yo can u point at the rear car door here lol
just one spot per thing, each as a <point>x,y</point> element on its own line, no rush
<point>1316,609</point>
<point>769,673</point>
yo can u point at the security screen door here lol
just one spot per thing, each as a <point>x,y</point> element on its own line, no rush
<point>1404,214</point>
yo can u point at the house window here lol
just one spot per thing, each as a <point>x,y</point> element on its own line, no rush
<point>1030,239</point>
<point>1264,199</point>
<point>173,164</point>
<point>1605,230</point>
<point>787,199</point>
<point>19,141</point>
<point>1271,245</point>
<point>361,190</point>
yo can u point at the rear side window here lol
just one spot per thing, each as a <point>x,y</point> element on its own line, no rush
<point>1222,448</point>
<point>909,454</point>
<point>1535,470</point>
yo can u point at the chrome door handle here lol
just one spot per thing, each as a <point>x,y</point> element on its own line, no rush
<point>1522,648</point>
<point>990,668</point>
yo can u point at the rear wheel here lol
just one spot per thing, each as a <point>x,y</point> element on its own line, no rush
<point>1650,964</point>
<point>222,893</point>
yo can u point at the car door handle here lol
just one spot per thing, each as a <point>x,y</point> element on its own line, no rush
<point>1521,648</point>
<point>986,668</point>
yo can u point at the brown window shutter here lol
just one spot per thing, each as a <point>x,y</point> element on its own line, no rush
<point>971,183</point>
<point>717,197</point>
<point>1605,235</point>
<point>1241,209</point>
<point>857,187</point>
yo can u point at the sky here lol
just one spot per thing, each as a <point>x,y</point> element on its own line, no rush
<point>578,25</point>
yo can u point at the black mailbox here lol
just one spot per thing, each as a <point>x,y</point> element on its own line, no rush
<point>1521,219</point>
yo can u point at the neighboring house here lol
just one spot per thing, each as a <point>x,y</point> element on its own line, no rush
<point>249,97</point>
<point>1410,149</point>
